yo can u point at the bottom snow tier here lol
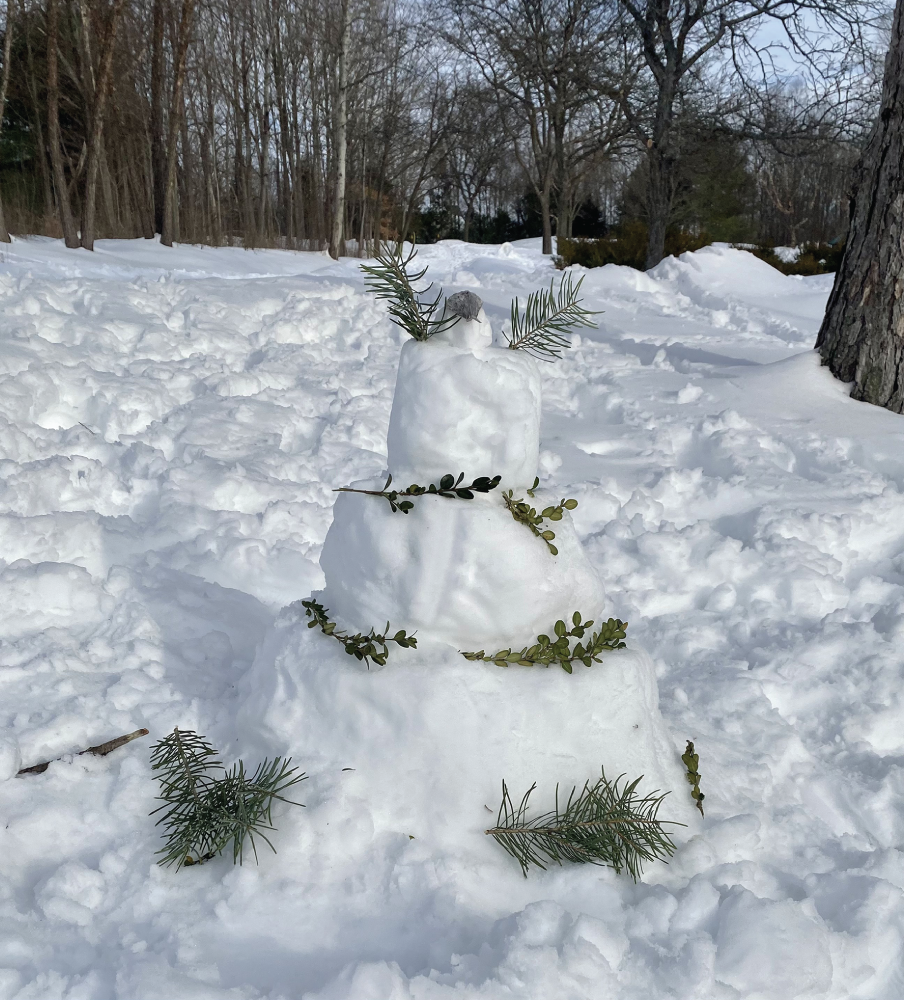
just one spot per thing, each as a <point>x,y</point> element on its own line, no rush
<point>460,571</point>
<point>420,747</point>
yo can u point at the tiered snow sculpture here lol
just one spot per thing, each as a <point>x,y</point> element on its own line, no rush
<point>424,742</point>
<point>464,572</point>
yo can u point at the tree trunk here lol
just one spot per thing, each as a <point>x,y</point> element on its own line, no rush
<point>169,190</point>
<point>70,235</point>
<point>95,137</point>
<point>337,235</point>
<point>158,148</point>
<point>862,336</point>
<point>547,218</point>
<point>4,84</point>
<point>660,188</point>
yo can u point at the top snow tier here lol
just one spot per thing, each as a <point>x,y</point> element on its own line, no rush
<point>463,405</point>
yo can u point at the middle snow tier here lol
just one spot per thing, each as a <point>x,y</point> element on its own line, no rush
<point>457,409</point>
<point>462,572</point>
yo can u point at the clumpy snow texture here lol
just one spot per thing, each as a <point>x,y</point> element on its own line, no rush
<point>172,425</point>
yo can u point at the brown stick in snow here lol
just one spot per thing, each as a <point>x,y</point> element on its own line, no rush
<point>101,750</point>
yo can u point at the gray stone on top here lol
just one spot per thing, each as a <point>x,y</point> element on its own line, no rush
<point>464,304</point>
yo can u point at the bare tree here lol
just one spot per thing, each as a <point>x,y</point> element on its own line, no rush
<point>4,86</point>
<point>676,38</point>
<point>862,336</point>
<point>175,117</point>
<point>95,137</point>
<point>61,189</point>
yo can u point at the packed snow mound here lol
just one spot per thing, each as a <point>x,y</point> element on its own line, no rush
<point>461,571</point>
<point>471,410</point>
<point>431,736</point>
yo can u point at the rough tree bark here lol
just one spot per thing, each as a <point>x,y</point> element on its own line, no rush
<point>95,138</point>
<point>175,116</point>
<point>862,336</point>
<point>4,85</point>
<point>70,234</point>
<point>158,148</point>
<point>337,240</point>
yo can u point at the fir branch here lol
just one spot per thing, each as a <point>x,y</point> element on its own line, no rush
<point>364,647</point>
<point>691,762</point>
<point>547,651</point>
<point>205,811</point>
<point>606,824</point>
<point>448,486</point>
<point>390,279</point>
<point>527,515</point>
<point>548,319</point>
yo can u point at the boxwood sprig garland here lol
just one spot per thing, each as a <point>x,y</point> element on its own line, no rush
<point>524,514</point>
<point>363,647</point>
<point>448,487</point>
<point>546,651</point>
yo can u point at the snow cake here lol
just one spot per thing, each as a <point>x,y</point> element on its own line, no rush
<point>465,576</point>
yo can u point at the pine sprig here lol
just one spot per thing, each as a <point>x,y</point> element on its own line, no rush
<point>608,823</point>
<point>206,811</point>
<point>548,319</point>
<point>545,651</point>
<point>528,516</point>
<point>363,647</point>
<point>390,279</point>
<point>448,486</point>
<point>691,761</point>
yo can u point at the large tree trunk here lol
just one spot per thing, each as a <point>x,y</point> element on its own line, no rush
<point>95,138</point>
<point>862,336</point>
<point>337,230</point>
<point>70,235</point>
<point>4,84</point>
<point>660,190</point>
<point>175,116</point>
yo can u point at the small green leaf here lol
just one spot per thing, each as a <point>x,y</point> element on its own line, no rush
<point>566,666</point>
<point>553,550</point>
<point>465,494</point>
<point>560,628</point>
<point>556,515</point>
<point>570,504</point>
<point>447,482</point>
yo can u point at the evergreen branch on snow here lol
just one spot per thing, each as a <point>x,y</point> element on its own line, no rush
<point>364,647</point>
<point>608,823</point>
<point>448,486</point>
<point>390,279</point>
<point>692,762</point>
<point>545,651</point>
<point>528,516</point>
<point>548,319</point>
<point>206,811</point>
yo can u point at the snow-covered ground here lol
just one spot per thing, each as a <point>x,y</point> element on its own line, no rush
<point>172,424</point>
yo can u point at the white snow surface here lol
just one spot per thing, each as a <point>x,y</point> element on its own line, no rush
<point>172,425</point>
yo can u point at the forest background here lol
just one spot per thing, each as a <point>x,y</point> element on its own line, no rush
<point>311,124</point>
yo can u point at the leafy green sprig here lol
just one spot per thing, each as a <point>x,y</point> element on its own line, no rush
<point>527,515</point>
<point>448,486</point>
<point>204,811</point>
<point>608,823</point>
<point>548,319</point>
<point>363,647</point>
<point>691,761</point>
<point>546,651</point>
<point>390,279</point>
